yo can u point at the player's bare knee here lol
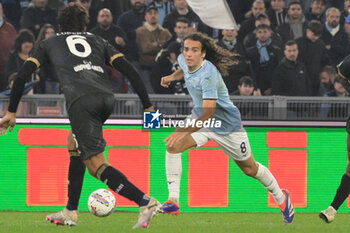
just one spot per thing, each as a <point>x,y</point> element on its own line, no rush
<point>249,171</point>
<point>92,171</point>
<point>91,166</point>
<point>174,149</point>
<point>70,142</point>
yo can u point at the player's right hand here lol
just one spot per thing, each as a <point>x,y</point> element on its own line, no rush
<point>9,120</point>
<point>166,80</point>
<point>149,109</point>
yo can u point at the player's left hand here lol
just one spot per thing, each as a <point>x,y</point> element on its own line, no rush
<point>9,120</point>
<point>174,138</point>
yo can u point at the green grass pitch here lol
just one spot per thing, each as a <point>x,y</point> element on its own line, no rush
<point>34,222</point>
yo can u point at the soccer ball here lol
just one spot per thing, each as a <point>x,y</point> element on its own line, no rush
<point>101,202</point>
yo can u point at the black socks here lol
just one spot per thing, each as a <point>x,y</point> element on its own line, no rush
<point>342,192</point>
<point>118,182</point>
<point>75,180</point>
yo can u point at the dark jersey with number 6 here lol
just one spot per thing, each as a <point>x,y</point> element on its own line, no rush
<point>79,60</point>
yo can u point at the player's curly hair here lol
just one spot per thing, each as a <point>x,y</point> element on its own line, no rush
<point>73,18</point>
<point>220,57</point>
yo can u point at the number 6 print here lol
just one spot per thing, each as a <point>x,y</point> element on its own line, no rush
<point>73,40</point>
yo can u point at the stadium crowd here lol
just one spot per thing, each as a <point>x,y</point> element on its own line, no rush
<point>281,47</point>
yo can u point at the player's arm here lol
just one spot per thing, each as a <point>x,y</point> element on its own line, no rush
<point>177,75</point>
<point>18,85</point>
<point>208,113</point>
<point>9,120</point>
<point>124,66</point>
<point>180,133</point>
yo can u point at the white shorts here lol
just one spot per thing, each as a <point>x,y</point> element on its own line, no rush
<point>236,145</point>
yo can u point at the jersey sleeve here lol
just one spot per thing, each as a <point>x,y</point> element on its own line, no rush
<point>209,87</point>
<point>111,53</point>
<point>38,55</point>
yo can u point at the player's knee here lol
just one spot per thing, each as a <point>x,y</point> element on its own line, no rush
<point>70,142</point>
<point>174,149</point>
<point>249,171</point>
<point>92,171</point>
<point>91,167</point>
<point>94,163</point>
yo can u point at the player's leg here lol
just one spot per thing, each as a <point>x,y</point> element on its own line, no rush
<point>75,174</point>
<point>69,215</point>
<point>342,193</point>
<point>87,116</point>
<point>120,184</point>
<point>258,171</point>
<point>237,146</point>
<point>173,166</point>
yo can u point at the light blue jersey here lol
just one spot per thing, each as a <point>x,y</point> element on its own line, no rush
<point>207,83</point>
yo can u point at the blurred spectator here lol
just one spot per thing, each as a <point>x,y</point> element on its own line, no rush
<point>98,5</point>
<point>23,45</point>
<point>277,13</point>
<point>117,38</point>
<point>335,3</point>
<point>334,36</point>
<point>246,87</point>
<point>92,19</point>
<point>230,42</point>
<point>295,24</point>
<point>339,90</point>
<point>109,31</point>
<point>239,8</point>
<point>46,32</point>
<point>181,30</point>
<point>313,54</point>
<point>264,57</point>
<point>346,12</point>
<point>249,13</point>
<point>34,17</point>
<point>327,76</point>
<point>55,4</point>
<point>290,77</point>
<point>13,12</point>
<point>28,88</point>
<point>305,4</point>
<point>182,10</point>
<point>347,27</point>
<point>48,83</point>
<point>248,25</point>
<point>125,5</point>
<point>166,65</point>
<point>7,37</point>
<point>129,21</point>
<point>250,39</point>
<point>150,38</point>
<point>337,109</point>
<point>316,11</point>
<point>24,107</point>
<point>164,8</point>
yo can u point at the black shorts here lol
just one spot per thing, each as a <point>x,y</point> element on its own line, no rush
<point>87,116</point>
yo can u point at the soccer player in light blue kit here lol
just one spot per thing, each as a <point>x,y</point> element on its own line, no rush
<point>201,63</point>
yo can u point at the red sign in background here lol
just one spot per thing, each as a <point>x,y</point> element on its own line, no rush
<point>208,169</point>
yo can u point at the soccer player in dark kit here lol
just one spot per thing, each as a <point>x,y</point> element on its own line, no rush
<point>79,59</point>
<point>343,191</point>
